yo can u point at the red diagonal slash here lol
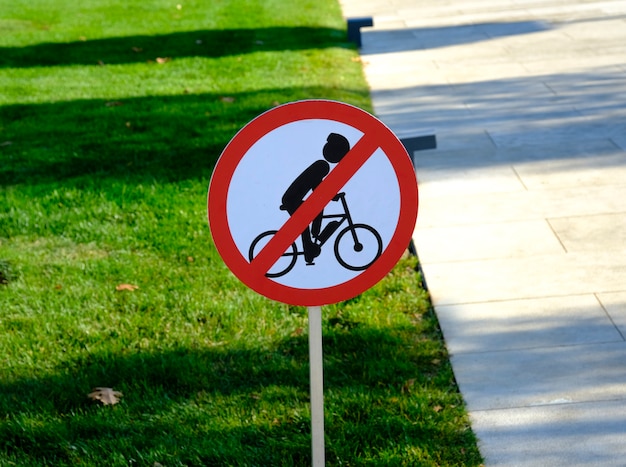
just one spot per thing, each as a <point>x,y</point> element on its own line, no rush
<point>314,204</point>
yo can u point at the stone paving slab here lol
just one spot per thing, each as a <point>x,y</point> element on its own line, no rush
<point>525,277</point>
<point>619,139</point>
<point>492,179</point>
<point>543,375</point>
<point>601,232</point>
<point>585,435</point>
<point>529,323</point>
<point>490,207</point>
<point>472,171</point>
<point>591,171</point>
<point>615,305</point>
<point>587,154</point>
<point>549,130</point>
<point>487,241</point>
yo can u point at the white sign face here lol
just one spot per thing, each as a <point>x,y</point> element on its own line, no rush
<point>350,217</point>
<point>274,162</point>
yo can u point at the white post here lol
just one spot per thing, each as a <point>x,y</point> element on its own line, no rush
<point>317,385</point>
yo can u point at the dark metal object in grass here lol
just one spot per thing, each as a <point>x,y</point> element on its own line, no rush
<point>354,28</point>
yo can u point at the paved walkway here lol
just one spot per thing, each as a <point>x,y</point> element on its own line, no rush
<point>522,223</point>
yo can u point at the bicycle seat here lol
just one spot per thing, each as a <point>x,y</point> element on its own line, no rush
<point>282,208</point>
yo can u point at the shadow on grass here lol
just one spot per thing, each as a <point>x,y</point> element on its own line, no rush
<point>239,406</point>
<point>142,48</point>
<point>168,138</point>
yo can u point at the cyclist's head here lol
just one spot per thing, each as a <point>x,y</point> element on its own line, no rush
<point>335,148</point>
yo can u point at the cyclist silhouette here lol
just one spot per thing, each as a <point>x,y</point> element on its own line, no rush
<point>336,147</point>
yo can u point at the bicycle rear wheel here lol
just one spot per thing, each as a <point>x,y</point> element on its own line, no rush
<point>358,246</point>
<point>285,263</point>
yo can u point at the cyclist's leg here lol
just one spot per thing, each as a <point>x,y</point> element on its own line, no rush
<point>311,249</point>
<point>316,225</point>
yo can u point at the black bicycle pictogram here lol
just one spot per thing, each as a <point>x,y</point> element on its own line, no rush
<point>356,247</point>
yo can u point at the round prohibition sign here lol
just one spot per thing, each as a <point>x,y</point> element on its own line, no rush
<point>256,269</point>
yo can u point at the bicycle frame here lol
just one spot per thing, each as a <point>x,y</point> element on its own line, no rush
<point>345,216</point>
<point>342,197</point>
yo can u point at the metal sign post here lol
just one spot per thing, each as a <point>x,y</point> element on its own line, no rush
<point>317,385</point>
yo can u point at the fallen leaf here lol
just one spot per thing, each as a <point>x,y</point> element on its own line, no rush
<point>437,408</point>
<point>114,104</point>
<point>227,99</point>
<point>190,259</point>
<point>128,124</point>
<point>137,49</point>
<point>107,396</point>
<point>128,287</point>
<point>100,62</point>
<point>162,60</point>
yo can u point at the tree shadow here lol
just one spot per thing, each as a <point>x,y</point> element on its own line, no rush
<point>394,40</point>
<point>225,393</point>
<point>178,137</point>
<point>167,138</point>
<point>142,48</point>
<point>549,109</point>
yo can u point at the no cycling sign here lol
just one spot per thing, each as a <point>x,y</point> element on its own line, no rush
<point>312,202</point>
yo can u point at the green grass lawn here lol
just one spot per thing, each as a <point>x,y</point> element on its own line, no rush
<point>112,115</point>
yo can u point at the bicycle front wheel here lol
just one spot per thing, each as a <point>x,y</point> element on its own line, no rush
<point>285,263</point>
<point>358,246</point>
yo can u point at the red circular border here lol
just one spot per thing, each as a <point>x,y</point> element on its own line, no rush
<point>277,117</point>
